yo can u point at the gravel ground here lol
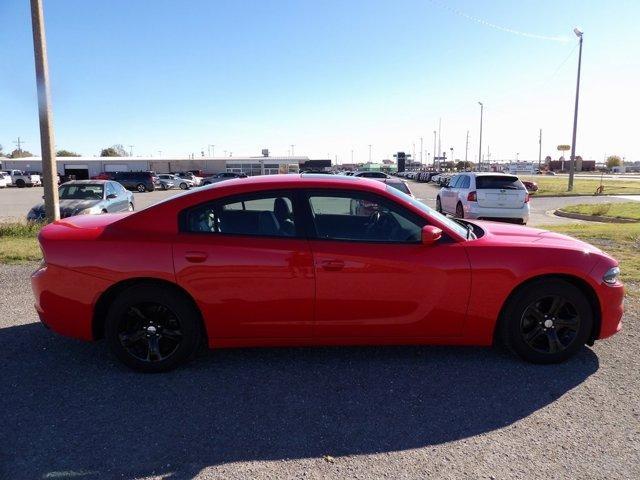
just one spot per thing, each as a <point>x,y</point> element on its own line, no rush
<point>67,409</point>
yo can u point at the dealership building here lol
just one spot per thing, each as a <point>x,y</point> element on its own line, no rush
<point>86,167</point>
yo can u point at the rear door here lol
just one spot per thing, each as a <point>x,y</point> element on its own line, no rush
<point>450,195</point>
<point>500,191</point>
<point>248,265</point>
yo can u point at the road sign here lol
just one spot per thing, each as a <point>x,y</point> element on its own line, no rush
<point>564,148</point>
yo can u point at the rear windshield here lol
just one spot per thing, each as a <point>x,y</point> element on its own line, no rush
<point>498,182</point>
<point>400,186</point>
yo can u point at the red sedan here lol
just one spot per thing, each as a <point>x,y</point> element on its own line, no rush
<point>317,260</point>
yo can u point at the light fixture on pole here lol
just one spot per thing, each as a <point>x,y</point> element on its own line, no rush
<point>480,138</point>
<point>572,163</point>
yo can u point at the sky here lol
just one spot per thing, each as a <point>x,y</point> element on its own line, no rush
<point>329,76</point>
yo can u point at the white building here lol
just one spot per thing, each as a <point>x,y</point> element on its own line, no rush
<point>86,167</point>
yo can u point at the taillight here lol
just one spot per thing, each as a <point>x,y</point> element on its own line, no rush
<point>526,198</point>
<point>472,197</point>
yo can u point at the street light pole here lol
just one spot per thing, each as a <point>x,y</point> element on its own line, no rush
<point>369,153</point>
<point>434,149</point>
<point>421,152</point>
<point>540,150</point>
<point>572,164</point>
<point>47,142</point>
<point>480,144</point>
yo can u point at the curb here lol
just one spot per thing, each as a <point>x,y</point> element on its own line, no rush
<point>593,218</point>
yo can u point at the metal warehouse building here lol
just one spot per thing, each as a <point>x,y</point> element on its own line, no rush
<point>86,167</point>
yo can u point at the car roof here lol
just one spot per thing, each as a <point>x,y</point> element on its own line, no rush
<point>87,182</point>
<point>492,174</point>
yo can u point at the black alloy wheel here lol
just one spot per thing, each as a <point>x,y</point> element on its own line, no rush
<point>547,320</point>
<point>153,328</point>
<point>550,324</point>
<point>150,332</point>
<point>141,188</point>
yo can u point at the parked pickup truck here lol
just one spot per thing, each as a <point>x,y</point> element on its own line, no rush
<point>22,179</point>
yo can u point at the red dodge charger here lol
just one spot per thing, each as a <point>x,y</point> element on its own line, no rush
<point>317,260</point>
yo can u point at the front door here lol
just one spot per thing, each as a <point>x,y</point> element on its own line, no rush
<point>374,278</point>
<point>248,268</point>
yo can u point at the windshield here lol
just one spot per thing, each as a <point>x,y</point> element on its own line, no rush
<point>459,229</point>
<point>89,191</point>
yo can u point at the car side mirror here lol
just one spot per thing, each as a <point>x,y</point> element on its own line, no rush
<point>430,234</point>
<point>111,196</point>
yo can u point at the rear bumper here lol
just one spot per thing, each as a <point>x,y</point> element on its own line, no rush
<point>473,210</point>
<point>65,300</point>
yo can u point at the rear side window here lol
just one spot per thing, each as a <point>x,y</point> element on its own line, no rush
<point>464,182</point>
<point>498,182</point>
<point>267,215</point>
<point>453,183</point>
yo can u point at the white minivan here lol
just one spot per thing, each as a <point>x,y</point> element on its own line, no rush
<point>485,196</point>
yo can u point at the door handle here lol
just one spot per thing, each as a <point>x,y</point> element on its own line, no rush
<point>195,257</point>
<point>332,265</point>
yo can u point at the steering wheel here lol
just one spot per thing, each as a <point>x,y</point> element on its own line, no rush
<point>382,223</point>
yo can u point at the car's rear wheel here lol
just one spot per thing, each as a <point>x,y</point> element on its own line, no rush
<point>152,328</point>
<point>438,205</point>
<point>141,188</point>
<point>547,322</point>
<point>20,183</point>
<point>459,210</point>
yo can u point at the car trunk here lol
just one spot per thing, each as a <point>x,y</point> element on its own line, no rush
<point>500,191</point>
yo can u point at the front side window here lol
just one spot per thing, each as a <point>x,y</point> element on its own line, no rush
<point>269,215</point>
<point>111,190</point>
<point>359,217</point>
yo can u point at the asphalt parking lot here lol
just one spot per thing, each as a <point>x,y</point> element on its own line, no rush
<point>15,203</point>
<point>69,410</point>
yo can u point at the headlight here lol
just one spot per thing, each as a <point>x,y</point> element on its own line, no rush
<point>88,211</point>
<point>611,277</point>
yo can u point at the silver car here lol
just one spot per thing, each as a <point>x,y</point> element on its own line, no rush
<point>82,197</point>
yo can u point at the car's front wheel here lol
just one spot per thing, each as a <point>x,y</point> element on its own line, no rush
<point>141,188</point>
<point>130,208</point>
<point>438,205</point>
<point>152,328</point>
<point>183,186</point>
<point>548,321</point>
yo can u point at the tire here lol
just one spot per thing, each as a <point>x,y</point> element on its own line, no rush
<point>438,205</point>
<point>20,183</point>
<point>141,188</point>
<point>459,210</point>
<point>533,330</point>
<point>142,317</point>
<point>184,186</point>
<point>163,186</point>
<point>130,208</point>
<point>104,210</point>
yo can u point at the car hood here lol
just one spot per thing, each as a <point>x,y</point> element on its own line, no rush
<point>70,207</point>
<point>508,234</point>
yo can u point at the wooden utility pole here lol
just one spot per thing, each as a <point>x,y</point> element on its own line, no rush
<point>47,143</point>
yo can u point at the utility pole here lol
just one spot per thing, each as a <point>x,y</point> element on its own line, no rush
<point>480,144</point>
<point>540,150</point>
<point>572,164</point>
<point>351,157</point>
<point>466,149</point>
<point>439,135</point>
<point>421,152</point>
<point>47,142</point>
<point>131,150</point>
<point>434,149</point>
<point>369,153</point>
<point>292,153</point>
<point>19,143</point>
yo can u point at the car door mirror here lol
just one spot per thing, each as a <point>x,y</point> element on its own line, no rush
<point>111,196</point>
<point>430,234</point>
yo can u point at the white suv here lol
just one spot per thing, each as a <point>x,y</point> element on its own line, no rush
<point>485,196</point>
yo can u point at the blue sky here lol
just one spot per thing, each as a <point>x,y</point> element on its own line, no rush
<point>327,76</point>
